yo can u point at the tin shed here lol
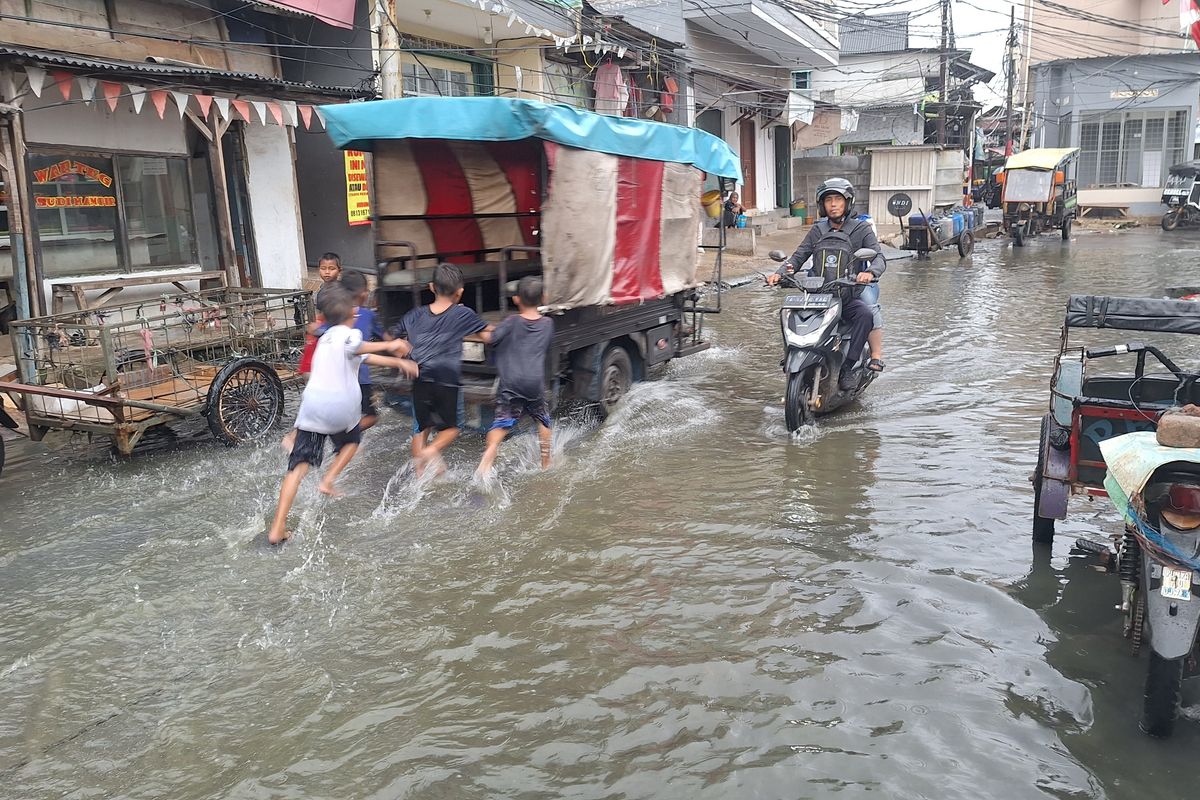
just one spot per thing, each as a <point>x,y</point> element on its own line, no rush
<point>932,176</point>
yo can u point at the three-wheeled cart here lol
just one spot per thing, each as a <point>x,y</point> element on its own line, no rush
<point>223,354</point>
<point>1181,196</point>
<point>605,210</point>
<point>1040,194</point>
<point>1102,391</point>
<point>930,233</point>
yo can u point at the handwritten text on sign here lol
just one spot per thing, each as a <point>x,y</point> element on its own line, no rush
<point>358,203</point>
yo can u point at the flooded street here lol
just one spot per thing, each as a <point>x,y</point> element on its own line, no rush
<point>688,605</point>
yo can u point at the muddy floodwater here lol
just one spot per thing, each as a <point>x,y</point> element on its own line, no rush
<point>688,605</point>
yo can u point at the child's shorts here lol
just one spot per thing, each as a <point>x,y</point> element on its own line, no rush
<point>435,406</point>
<point>368,400</point>
<point>509,412</point>
<point>309,447</point>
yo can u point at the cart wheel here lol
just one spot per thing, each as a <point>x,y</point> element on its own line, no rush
<point>966,244</point>
<point>616,376</point>
<point>1020,234</point>
<point>245,401</point>
<point>1,455</point>
<point>1066,229</point>
<point>1170,220</point>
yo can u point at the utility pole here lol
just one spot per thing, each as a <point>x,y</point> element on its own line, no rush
<point>388,49</point>
<point>943,95</point>
<point>1010,74</point>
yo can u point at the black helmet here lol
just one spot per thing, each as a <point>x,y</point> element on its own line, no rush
<point>835,186</point>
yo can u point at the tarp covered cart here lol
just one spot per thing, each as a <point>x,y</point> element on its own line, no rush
<point>606,210</point>
<point>224,354</point>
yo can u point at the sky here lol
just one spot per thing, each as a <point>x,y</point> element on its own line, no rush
<point>980,26</point>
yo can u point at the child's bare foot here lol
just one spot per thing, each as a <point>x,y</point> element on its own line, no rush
<point>329,489</point>
<point>278,538</point>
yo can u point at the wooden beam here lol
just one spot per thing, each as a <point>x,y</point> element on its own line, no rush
<point>199,124</point>
<point>226,247</point>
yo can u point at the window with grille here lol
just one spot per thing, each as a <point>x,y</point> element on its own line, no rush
<point>1130,148</point>
<point>427,76</point>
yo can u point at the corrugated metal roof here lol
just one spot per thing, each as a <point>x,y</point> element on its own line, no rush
<point>165,70</point>
<point>882,33</point>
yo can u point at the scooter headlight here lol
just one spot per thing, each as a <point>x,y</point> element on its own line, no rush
<point>806,331</point>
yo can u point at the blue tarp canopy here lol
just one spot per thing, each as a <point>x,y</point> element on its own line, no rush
<point>354,126</point>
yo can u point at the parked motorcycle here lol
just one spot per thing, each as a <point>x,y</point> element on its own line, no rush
<point>1157,489</point>
<point>1181,196</point>
<point>814,341</point>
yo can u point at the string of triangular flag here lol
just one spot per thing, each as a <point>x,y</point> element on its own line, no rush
<point>282,112</point>
<point>560,42</point>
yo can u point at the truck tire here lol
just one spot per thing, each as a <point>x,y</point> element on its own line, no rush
<point>1066,229</point>
<point>1164,678</point>
<point>1043,528</point>
<point>616,376</point>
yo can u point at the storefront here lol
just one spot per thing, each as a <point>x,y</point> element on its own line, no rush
<point>125,171</point>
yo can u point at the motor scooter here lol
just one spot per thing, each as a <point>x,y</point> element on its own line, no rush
<point>815,341</point>
<point>1157,489</point>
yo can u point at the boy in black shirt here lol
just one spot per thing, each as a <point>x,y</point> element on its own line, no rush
<point>436,334</point>
<point>521,343</point>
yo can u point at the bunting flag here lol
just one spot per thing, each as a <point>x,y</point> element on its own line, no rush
<point>159,98</point>
<point>181,101</point>
<point>64,81</point>
<point>205,103</point>
<point>289,110</point>
<point>320,116</point>
<point>243,108</point>
<point>222,107</point>
<point>306,115</point>
<point>260,108</point>
<point>37,79</point>
<point>87,89</point>
<point>276,113</point>
<point>112,92</point>
<point>138,95</point>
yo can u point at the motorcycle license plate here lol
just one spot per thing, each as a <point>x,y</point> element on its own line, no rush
<point>807,300</point>
<point>1176,583</point>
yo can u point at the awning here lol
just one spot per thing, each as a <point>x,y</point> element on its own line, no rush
<point>1040,158</point>
<point>339,13</point>
<point>769,31</point>
<point>355,126</point>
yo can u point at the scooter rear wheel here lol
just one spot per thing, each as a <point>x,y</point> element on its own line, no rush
<point>1171,219</point>
<point>1164,679</point>
<point>795,409</point>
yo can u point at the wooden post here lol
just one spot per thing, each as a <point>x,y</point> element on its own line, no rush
<point>16,228</point>
<point>216,163</point>
<point>19,220</point>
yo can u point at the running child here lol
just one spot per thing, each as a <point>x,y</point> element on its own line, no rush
<point>436,332</point>
<point>366,323</point>
<point>521,343</point>
<point>332,403</point>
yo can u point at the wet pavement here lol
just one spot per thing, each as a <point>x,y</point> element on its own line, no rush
<point>689,604</point>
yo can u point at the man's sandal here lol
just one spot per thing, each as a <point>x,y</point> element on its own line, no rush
<point>876,365</point>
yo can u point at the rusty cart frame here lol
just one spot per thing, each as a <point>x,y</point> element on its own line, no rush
<point>225,354</point>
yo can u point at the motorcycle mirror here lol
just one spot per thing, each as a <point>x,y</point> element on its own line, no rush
<point>865,254</point>
<point>776,255</point>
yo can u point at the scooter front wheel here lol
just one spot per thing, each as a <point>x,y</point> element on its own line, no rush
<point>1171,219</point>
<point>795,402</point>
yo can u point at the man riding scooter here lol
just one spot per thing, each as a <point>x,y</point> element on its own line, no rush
<point>831,243</point>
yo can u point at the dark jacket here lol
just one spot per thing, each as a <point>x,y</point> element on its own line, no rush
<point>860,233</point>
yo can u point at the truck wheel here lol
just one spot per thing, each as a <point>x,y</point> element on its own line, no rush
<point>1066,229</point>
<point>245,401</point>
<point>1163,682</point>
<point>1170,220</point>
<point>616,376</point>
<point>1019,234</point>
<point>1043,528</point>
<point>795,407</point>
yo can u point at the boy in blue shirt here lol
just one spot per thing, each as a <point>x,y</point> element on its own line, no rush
<point>367,324</point>
<point>436,333</point>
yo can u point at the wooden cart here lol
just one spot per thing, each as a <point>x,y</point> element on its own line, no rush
<point>224,354</point>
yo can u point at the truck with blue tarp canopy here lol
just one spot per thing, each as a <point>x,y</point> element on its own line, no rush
<point>606,210</point>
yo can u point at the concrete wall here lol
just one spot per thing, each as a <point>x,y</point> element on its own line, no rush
<point>864,80</point>
<point>271,182</point>
<point>808,173</point>
<point>1059,34</point>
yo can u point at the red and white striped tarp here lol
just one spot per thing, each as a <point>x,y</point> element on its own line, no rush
<point>612,229</point>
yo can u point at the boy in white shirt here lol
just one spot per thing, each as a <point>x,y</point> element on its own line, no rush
<point>332,401</point>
